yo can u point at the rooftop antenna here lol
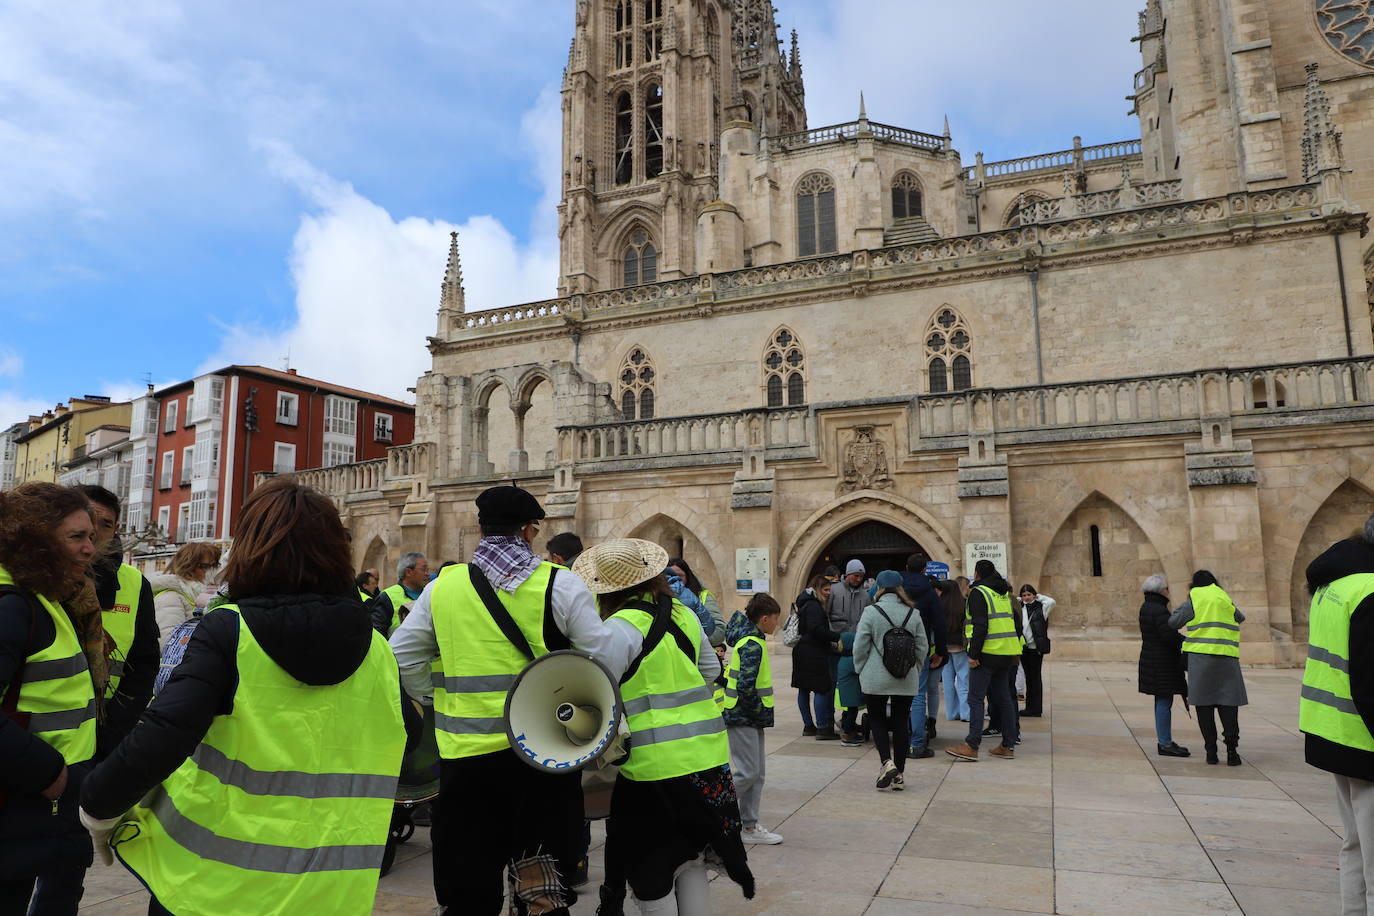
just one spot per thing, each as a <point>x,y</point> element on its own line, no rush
<point>286,361</point>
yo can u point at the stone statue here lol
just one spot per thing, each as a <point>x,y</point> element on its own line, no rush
<point>865,463</point>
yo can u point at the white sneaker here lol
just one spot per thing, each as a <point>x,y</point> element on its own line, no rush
<point>885,774</point>
<point>759,835</point>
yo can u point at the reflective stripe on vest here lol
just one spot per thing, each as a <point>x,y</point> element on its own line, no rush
<point>119,621</point>
<point>285,805</point>
<point>1213,630</point>
<point>477,664</point>
<point>763,684</point>
<point>1002,638</point>
<point>398,596</point>
<point>1327,708</point>
<point>56,691</point>
<point>675,725</point>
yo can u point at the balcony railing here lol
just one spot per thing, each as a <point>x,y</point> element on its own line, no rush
<point>1127,197</point>
<point>402,467</point>
<point>730,433</point>
<point>853,131</point>
<point>1078,157</point>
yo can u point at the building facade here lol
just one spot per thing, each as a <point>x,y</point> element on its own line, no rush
<point>195,446</point>
<point>50,441</point>
<point>776,347</point>
<point>9,452</point>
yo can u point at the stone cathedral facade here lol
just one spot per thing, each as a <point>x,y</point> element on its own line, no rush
<point>777,345</point>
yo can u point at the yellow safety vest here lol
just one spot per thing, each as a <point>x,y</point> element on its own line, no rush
<point>398,596</point>
<point>1213,630</point>
<point>675,725</point>
<point>1327,708</point>
<point>477,663</point>
<point>56,691</point>
<point>285,805</point>
<point>763,684</point>
<point>120,621</point>
<point>1002,638</point>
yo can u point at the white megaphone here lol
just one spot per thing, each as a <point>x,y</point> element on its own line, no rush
<point>563,712</point>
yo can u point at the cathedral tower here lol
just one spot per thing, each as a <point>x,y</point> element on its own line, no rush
<point>647,91</point>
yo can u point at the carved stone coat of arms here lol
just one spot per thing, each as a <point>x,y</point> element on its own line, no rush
<point>865,463</point>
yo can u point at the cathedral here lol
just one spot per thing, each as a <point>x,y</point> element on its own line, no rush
<point>777,346</point>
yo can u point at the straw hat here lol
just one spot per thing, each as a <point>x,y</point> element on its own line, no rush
<point>619,563</point>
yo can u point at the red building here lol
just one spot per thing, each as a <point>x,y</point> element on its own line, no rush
<point>197,444</point>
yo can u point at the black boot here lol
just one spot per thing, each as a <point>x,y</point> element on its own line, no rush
<point>1232,758</point>
<point>1212,754</point>
<point>1173,749</point>
<point>930,728</point>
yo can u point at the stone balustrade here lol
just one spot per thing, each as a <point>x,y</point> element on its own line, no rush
<point>852,131</point>
<point>676,437</point>
<point>1126,197</point>
<point>1079,156</point>
<point>402,467</point>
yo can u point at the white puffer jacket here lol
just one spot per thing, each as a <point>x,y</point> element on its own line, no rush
<point>174,600</point>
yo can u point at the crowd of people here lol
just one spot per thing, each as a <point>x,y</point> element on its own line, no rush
<point>235,740</point>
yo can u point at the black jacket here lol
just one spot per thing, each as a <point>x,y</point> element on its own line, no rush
<point>31,837</point>
<point>920,590</point>
<point>1160,672</point>
<point>811,657</point>
<point>317,639</point>
<point>1345,558</point>
<point>954,604</point>
<point>140,665</point>
<point>978,614</point>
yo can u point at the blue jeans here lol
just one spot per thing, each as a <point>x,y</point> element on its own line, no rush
<point>918,708</point>
<point>1164,713</point>
<point>955,675</point>
<point>824,703</point>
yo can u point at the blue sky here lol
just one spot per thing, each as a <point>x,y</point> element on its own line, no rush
<point>187,184</point>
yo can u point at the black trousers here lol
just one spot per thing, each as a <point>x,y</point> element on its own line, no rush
<point>59,893</point>
<point>1031,663</point>
<point>896,723</point>
<point>493,810</point>
<point>1230,726</point>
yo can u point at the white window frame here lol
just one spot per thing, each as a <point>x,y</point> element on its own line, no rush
<point>169,420</point>
<point>188,459</point>
<point>279,449</point>
<point>164,521</point>
<point>341,416</point>
<point>164,480</point>
<point>337,453</point>
<point>190,409</point>
<point>207,453</point>
<point>377,433</point>
<point>290,416</point>
<point>183,522</point>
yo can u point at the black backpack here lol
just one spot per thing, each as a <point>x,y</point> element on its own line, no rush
<point>899,646</point>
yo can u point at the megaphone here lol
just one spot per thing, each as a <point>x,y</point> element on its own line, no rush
<point>563,712</point>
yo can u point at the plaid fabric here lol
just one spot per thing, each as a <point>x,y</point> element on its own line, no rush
<point>505,560</point>
<point>534,881</point>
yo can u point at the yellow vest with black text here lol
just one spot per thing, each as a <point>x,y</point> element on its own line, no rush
<point>56,691</point>
<point>285,805</point>
<point>398,596</point>
<point>1213,629</point>
<point>477,663</point>
<point>1327,708</point>
<point>120,621</point>
<point>763,684</point>
<point>675,726</point>
<point>1002,638</point>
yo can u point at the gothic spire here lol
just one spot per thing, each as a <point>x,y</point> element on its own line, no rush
<point>1321,141</point>
<point>796,66</point>
<point>453,296</point>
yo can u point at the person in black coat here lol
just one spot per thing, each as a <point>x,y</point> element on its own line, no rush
<point>811,661</point>
<point>1161,663</point>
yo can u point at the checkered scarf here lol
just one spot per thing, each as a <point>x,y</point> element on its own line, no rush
<point>506,560</point>
<point>535,882</point>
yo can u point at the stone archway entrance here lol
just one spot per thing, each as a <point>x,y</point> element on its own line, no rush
<point>879,545</point>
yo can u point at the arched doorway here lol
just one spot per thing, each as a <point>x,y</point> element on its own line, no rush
<point>879,545</point>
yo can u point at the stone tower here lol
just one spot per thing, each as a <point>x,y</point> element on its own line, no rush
<point>648,89</point>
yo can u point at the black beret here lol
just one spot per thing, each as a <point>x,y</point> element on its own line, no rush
<point>507,506</point>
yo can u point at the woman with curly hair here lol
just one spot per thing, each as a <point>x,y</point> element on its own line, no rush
<point>52,669</point>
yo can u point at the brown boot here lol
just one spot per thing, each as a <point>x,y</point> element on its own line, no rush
<point>1005,753</point>
<point>963,752</point>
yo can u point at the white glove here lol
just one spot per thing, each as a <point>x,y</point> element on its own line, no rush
<point>100,831</point>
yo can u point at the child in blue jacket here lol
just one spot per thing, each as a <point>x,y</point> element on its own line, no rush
<point>749,707</point>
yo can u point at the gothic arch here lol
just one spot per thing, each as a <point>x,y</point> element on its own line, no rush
<point>1009,215</point>
<point>839,515</point>
<point>636,376</point>
<point>487,387</point>
<point>698,530</point>
<point>821,174</point>
<point>374,557</point>
<point>783,368</point>
<point>529,381</point>
<point>1340,515</point>
<point>616,230</point>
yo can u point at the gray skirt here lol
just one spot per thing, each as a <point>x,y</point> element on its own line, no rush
<point>1215,680</point>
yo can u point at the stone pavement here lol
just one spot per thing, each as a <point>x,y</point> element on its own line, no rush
<point>1087,819</point>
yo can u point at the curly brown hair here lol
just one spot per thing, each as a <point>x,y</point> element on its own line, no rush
<point>29,551</point>
<point>289,542</point>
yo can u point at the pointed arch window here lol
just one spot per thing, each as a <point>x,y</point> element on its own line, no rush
<point>653,30</point>
<point>640,259</point>
<point>637,379</point>
<point>784,368</point>
<point>948,353</point>
<point>816,215</point>
<point>1014,217</point>
<point>653,132</point>
<point>906,196</point>
<point>622,34</point>
<point>624,138</point>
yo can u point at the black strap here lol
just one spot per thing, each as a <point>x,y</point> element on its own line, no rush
<point>663,618</point>
<point>889,619</point>
<point>498,612</point>
<point>554,638</point>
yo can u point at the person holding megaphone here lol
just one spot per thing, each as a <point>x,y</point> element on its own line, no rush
<point>466,641</point>
<point>674,800</point>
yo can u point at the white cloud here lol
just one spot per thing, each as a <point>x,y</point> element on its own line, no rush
<point>367,283</point>
<point>11,363</point>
